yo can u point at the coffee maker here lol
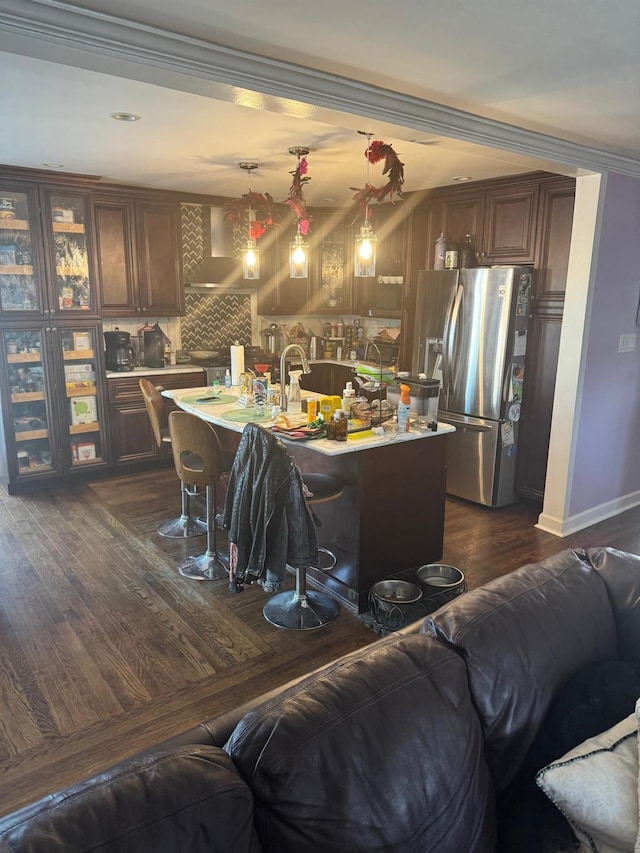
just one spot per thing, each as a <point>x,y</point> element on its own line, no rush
<point>119,354</point>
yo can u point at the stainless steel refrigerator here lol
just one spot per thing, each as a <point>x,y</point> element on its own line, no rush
<point>471,334</point>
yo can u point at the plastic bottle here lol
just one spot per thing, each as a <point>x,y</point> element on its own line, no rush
<point>467,255</point>
<point>294,404</point>
<point>404,408</point>
<point>227,379</point>
<point>341,425</point>
<point>441,249</point>
<point>348,397</point>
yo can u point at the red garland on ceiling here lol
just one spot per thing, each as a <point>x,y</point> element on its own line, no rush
<point>393,167</point>
<point>263,210</point>
<point>295,200</point>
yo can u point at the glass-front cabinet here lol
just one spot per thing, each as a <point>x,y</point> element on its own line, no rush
<point>51,372</point>
<point>46,264</point>
<point>53,419</point>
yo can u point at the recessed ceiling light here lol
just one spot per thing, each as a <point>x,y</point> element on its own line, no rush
<point>462,178</point>
<point>54,165</point>
<point>125,116</point>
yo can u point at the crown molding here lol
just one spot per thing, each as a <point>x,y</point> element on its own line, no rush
<point>91,32</point>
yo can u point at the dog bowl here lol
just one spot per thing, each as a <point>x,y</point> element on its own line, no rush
<point>440,575</point>
<point>396,592</point>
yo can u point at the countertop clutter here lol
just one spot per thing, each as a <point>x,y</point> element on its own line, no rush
<point>228,414</point>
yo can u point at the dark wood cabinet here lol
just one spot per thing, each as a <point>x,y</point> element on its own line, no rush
<point>327,378</point>
<point>509,225</point>
<point>460,214</point>
<point>139,256</point>
<point>132,439</point>
<point>553,238</point>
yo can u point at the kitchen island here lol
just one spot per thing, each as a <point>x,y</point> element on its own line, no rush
<point>390,517</point>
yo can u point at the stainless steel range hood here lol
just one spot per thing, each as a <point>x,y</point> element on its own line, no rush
<point>219,272</point>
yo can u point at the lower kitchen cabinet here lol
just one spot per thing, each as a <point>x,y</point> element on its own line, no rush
<point>327,378</point>
<point>51,387</point>
<point>132,438</point>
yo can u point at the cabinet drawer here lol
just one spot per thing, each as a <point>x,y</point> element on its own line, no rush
<point>127,388</point>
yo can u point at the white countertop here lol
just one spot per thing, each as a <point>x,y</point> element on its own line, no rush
<point>214,413</point>
<point>154,371</point>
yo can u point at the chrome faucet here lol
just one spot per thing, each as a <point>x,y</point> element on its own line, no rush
<point>283,367</point>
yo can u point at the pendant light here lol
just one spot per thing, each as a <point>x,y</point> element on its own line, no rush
<point>365,249</point>
<point>299,247</point>
<point>250,252</point>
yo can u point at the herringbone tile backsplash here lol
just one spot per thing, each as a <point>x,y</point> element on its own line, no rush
<point>211,321</point>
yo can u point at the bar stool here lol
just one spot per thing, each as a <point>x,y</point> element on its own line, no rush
<point>198,456</point>
<point>185,526</point>
<point>302,609</point>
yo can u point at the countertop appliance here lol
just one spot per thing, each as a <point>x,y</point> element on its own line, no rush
<point>153,349</point>
<point>471,334</point>
<point>118,351</point>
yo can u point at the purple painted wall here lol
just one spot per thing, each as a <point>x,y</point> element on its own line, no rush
<point>607,461</point>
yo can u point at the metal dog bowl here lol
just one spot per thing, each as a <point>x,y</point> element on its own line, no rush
<point>396,592</point>
<point>440,575</point>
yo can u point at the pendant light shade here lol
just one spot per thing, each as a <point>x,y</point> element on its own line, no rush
<point>298,257</point>
<point>365,253</point>
<point>250,251</point>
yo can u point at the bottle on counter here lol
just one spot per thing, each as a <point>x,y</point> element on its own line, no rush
<point>404,408</point>
<point>348,398</point>
<point>227,379</point>
<point>294,399</point>
<point>331,429</point>
<point>341,425</point>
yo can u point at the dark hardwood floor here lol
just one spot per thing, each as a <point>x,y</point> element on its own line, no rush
<point>107,650</point>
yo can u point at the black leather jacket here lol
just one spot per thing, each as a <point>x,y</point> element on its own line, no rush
<point>265,512</point>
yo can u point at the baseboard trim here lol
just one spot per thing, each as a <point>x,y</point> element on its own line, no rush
<point>565,527</point>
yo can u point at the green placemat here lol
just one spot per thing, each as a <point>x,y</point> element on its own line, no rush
<point>244,416</point>
<point>198,399</point>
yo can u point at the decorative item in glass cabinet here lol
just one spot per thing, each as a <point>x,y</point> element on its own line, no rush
<point>366,240</point>
<point>299,247</point>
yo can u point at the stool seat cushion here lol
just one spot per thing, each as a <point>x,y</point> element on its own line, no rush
<point>323,487</point>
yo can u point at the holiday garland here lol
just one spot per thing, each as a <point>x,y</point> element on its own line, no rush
<point>295,200</point>
<point>264,213</point>
<point>393,167</point>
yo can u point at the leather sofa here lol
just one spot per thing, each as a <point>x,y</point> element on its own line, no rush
<point>425,741</point>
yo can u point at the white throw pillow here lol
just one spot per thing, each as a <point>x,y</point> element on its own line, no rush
<point>595,786</point>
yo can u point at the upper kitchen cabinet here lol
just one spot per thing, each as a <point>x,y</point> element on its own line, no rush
<point>500,217</point>
<point>390,225</point>
<point>139,256</point>
<point>46,251</point>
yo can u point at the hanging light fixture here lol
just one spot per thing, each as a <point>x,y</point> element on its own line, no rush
<point>366,241</point>
<point>299,247</point>
<point>250,252</point>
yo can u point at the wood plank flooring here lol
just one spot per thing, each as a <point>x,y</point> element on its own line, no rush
<point>105,649</point>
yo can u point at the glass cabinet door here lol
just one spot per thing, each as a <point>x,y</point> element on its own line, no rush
<point>19,289</point>
<point>81,402</point>
<point>68,220</point>
<point>29,406</point>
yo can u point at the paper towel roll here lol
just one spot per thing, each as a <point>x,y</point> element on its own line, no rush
<point>237,363</point>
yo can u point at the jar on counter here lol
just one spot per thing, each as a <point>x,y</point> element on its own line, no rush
<point>341,425</point>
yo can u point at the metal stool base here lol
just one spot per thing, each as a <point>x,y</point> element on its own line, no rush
<point>206,567</point>
<point>184,527</point>
<point>300,612</point>
<point>326,560</point>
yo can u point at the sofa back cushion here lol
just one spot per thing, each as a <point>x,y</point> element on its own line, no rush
<point>621,574</point>
<point>379,751</point>
<point>190,798</point>
<point>522,636</point>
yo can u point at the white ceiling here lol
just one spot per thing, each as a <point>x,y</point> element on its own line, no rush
<point>565,70</point>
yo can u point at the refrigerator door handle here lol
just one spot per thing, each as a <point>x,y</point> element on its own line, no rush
<point>450,335</point>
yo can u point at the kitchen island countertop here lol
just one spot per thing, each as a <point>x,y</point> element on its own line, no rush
<point>215,414</point>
